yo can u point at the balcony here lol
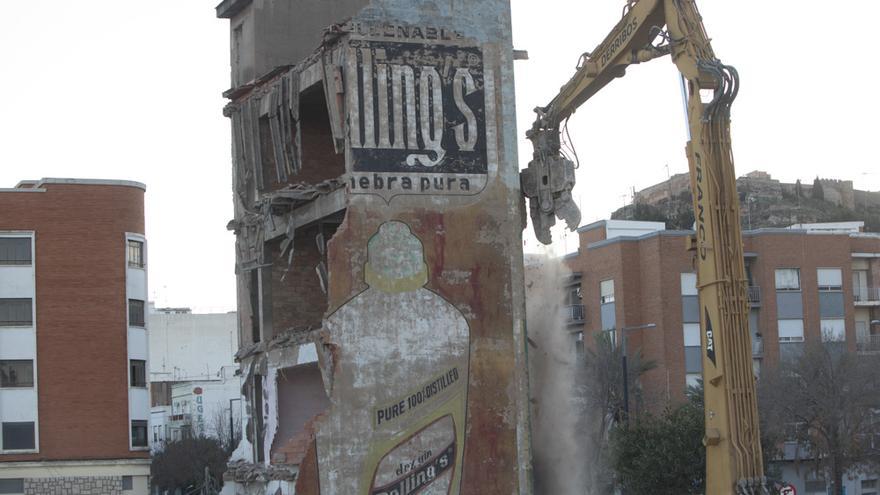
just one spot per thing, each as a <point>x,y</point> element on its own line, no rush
<point>754,295</point>
<point>574,314</point>
<point>868,344</point>
<point>176,419</point>
<point>866,296</point>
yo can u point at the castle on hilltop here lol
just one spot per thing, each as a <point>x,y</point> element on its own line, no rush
<point>759,184</point>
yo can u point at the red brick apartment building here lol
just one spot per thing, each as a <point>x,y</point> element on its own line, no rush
<point>807,282</point>
<point>74,398</point>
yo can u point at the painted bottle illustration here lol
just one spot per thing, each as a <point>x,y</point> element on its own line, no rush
<point>401,427</point>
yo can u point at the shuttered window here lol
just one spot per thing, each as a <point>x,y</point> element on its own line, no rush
<point>136,313</point>
<point>689,284</point>
<point>606,291</point>
<point>788,279</point>
<point>791,330</point>
<point>16,373</point>
<point>833,329</point>
<point>829,279</point>
<point>16,313</point>
<point>18,435</point>
<point>15,250</point>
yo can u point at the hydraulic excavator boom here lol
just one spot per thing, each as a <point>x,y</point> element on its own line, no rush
<point>732,439</point>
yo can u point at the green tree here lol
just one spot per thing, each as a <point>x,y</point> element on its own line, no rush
<point>662,455</point>
<point>182,464</point>
<point>605,401</point>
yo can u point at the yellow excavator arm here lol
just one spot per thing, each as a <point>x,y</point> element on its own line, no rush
<point>732,438</point>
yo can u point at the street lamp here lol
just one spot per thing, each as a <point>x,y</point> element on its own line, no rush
<point>623,364</point>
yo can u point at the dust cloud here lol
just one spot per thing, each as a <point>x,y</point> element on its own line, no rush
<point>559,441</point>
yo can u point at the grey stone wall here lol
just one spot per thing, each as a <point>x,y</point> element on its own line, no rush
<point>80,485</point>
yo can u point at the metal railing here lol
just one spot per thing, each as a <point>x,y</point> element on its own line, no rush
<point>754,294</point>
<point>868,343</point>
<point>574,313</point>
<point>866,294</point>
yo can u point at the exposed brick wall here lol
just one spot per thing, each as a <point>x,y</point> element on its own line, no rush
<point>319,158</point>
<point>297,300</point>
<point>80,315</point>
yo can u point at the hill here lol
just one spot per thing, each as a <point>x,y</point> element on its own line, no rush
<point>764,202</point>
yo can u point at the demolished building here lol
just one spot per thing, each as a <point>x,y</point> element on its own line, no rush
<point>378,222</point>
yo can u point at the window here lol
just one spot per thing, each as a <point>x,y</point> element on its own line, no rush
<point>869,487</point>
<point>830,279</point>
<point>16,373</point>
<point>16,313</point>
<point>139,433</point>
<point>18,436</point>
<point>138,372</point>
<point>860,285</point>
<point>135,254</point>
<point>135,313</point>
<point>693,355</point>
<point>606,291</point>
<point>574,295</point>
<point>127,483</point>
<point>689,284</point>
<point>15,250</point>
<point>833,330</point>
<point>788,279</point>
<point>791,330</point>
<point>691,334</point>
<point>12,485</point>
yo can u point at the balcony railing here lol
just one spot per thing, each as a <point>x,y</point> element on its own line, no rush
<point>868,343</point>
<point>574,313</point>
<point>176,418</point>
<point>754,295</point>
<point>866,294</point>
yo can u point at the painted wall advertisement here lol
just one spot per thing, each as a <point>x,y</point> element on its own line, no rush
<point>417,118</point>
<point>396,359</point>
<point>401,428</point>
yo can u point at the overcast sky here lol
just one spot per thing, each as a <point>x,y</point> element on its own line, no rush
<point>131,90</point>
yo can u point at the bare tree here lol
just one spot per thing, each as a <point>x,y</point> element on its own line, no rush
<point>219,426</point>
<point>832,397</point>
<point>188,464</point>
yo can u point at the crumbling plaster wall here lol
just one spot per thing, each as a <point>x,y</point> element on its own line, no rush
<point>301,397</point>
<point>472,251</point>
<point>464,211</point>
